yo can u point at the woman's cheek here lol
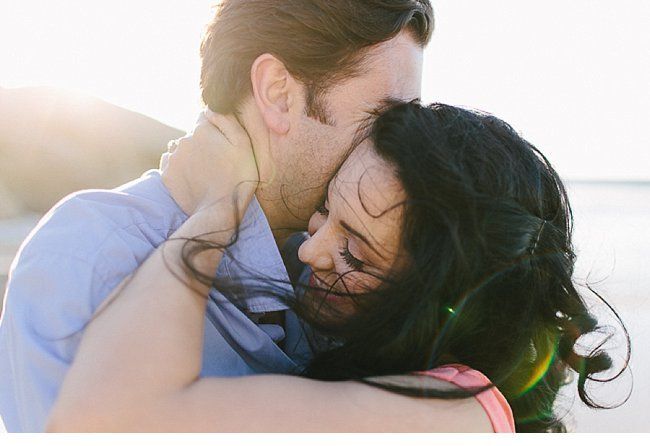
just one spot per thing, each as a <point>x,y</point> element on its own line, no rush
<point>358,282</point>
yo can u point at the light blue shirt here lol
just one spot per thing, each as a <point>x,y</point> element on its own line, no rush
<point>81,250</point>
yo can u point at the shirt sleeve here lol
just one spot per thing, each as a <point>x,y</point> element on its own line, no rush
<point>58,279</point>
<point>47,307</point>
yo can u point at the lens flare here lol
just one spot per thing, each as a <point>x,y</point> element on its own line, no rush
<point>541,368</point>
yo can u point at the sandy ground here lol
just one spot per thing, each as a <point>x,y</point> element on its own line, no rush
<point>612,236</point>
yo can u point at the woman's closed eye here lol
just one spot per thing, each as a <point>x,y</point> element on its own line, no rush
<point>350,259</point>
<point>322,210</point>
<point>345,253</point>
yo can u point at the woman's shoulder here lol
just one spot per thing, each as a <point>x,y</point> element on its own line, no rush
<point>491,399</point>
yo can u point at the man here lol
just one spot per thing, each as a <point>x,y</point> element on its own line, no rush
<point>300,75</point>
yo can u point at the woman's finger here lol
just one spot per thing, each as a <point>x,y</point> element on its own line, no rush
<point>201,118</point>
<point>228,125</point>
<point>164,161</point>
<point>172,146</point>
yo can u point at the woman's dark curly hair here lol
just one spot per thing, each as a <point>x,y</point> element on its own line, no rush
<point>487,228</point>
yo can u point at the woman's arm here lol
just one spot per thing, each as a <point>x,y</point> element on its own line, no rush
<point>138,368</point>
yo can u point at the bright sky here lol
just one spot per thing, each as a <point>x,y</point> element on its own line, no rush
<point>572,76</point>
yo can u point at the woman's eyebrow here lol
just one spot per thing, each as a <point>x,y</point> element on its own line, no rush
<point>360,236</point>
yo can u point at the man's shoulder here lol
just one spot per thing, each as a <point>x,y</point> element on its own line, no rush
<point>144,200</point>
<point>81,249</point>
<point>82,223</point>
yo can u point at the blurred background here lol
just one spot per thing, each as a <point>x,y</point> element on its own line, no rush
<point>572,77</point>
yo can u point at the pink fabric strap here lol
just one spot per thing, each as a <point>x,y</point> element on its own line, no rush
<point>494,403</point>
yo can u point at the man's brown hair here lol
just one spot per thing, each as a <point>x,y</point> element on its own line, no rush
<point>321,42</point>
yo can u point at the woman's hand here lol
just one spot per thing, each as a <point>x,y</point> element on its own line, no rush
<point>213,163</point>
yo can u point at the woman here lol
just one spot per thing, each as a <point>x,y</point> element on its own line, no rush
<point>441,256</point>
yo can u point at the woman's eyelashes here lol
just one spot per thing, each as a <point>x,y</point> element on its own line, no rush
<point>322,210</point>
<point>351,260</point>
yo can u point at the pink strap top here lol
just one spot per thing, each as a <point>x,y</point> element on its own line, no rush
<point>494,403</point>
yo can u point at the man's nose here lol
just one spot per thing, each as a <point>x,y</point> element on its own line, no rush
<point>315,253</point>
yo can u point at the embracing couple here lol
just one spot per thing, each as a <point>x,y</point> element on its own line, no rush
<point>431,291</point>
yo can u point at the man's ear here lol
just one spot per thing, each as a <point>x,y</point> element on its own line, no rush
<point>272,92</point>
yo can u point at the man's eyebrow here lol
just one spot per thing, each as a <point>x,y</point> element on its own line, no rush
<point>360,236</point>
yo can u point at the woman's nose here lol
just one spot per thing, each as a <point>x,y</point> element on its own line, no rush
<point>315,252</point>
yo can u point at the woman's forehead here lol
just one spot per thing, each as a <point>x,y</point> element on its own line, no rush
<point>368,195</point>
<point>367,177</point>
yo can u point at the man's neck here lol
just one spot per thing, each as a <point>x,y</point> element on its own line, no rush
<point>276,214</point>
<point>269,196</point>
